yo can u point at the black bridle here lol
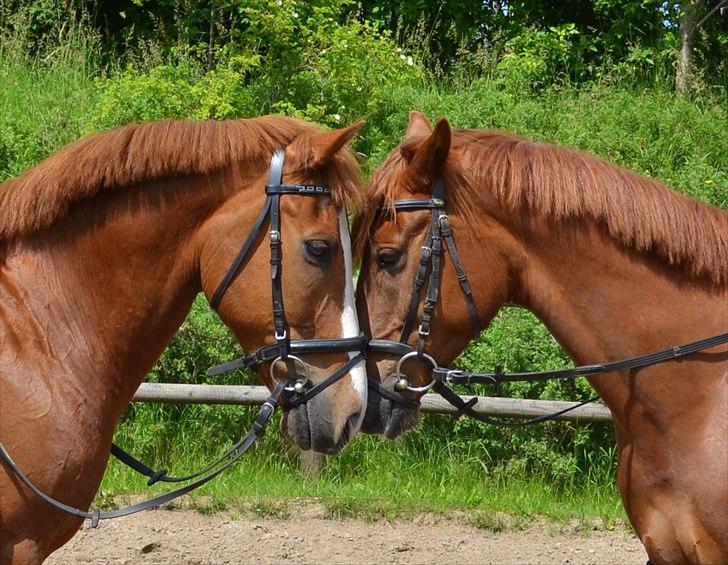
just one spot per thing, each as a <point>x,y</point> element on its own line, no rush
<point>430,260</point>
<point>285,350</point>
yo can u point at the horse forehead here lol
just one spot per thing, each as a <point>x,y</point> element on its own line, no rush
<point>311,214</point>
<point>400,229</point>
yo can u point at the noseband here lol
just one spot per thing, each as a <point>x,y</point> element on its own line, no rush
<point>284,349</point>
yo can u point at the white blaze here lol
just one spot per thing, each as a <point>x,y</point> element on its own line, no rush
<point>349,320</point>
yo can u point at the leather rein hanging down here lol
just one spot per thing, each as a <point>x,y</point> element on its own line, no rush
<point>430,261</point>
<point>285,350</point>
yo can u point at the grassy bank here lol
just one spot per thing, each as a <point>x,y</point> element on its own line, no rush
<point>393,483</point>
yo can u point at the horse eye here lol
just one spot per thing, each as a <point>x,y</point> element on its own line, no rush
<point>388,257</point>
<point>318,252</point>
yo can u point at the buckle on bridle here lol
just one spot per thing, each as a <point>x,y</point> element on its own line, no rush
<point>443,222</point>
<point>275,236</point>
<point>453,372</point>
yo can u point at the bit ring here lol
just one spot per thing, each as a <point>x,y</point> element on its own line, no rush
<point>400,378</point>
<point>297,360</point>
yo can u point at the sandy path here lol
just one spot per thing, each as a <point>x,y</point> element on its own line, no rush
<point>186,536</point>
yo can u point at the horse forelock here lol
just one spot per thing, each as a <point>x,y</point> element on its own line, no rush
<point>151,151</point>
<point>558,184</point>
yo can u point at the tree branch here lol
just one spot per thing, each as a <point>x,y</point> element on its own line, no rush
<point>715,8</point>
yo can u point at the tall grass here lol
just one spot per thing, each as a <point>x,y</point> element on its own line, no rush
<point>376,479</point>
<point>46,97</point>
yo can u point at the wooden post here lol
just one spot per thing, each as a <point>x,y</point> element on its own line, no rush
<point>256,395</point>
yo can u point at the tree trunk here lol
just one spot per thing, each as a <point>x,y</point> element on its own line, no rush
<point>688,27</point>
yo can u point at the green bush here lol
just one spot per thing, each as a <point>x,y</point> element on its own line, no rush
<point>182,91</point>
<point>295,59</point>
<point>537,58</point>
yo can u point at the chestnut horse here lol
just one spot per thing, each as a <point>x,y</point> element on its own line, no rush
<point>104,246</point>
<point>614,264</point>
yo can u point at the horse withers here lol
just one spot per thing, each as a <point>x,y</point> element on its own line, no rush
<point>615,265</point>
<point>104,246</point>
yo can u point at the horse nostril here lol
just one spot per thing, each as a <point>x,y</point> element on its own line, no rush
<point>353,424</point>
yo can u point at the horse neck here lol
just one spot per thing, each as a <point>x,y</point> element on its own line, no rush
<point>105,289</point>
<point>603,301</point>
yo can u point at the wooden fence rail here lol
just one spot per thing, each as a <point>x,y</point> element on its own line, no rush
<point>256,395</point>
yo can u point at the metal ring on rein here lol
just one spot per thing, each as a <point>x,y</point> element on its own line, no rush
<point>402,381</point>
<point>299,387</point>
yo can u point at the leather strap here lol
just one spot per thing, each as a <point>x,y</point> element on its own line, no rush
<point>314,189</point>
<point>279,315</point>
<point>466,408</point>
<point>299,347</point>
<point>672,353</point>
<point>417,285</point>
<point>419,203</point>
<point>449,238</point>
<point>242,255</point>
<point>392,395</point>
<point>326,383</point>
<point>95,514</point>
<point>389,347</point>
<point>430,258</point>
<point>433,286</point>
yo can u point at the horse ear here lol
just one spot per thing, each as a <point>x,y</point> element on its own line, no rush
<point>427,156</point>
<point>419,126</point>
<point>326,144</point>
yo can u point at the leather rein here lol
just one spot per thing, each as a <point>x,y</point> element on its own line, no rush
<point>431,257</point>
<point>295,392</point>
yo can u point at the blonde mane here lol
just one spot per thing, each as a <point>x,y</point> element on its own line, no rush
<point>150,151</point>
<point>559,183</point>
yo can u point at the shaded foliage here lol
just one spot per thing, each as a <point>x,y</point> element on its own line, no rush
<point>637,37</point>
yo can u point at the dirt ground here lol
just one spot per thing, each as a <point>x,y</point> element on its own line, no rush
<point>186,536</point>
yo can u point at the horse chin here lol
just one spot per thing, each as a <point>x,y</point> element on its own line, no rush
<point>385,418</point>
<point>295,426</point>
<point>300,426</point>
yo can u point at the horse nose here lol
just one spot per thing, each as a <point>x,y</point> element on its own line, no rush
<point>333,424</point>
<point>324,441</point>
